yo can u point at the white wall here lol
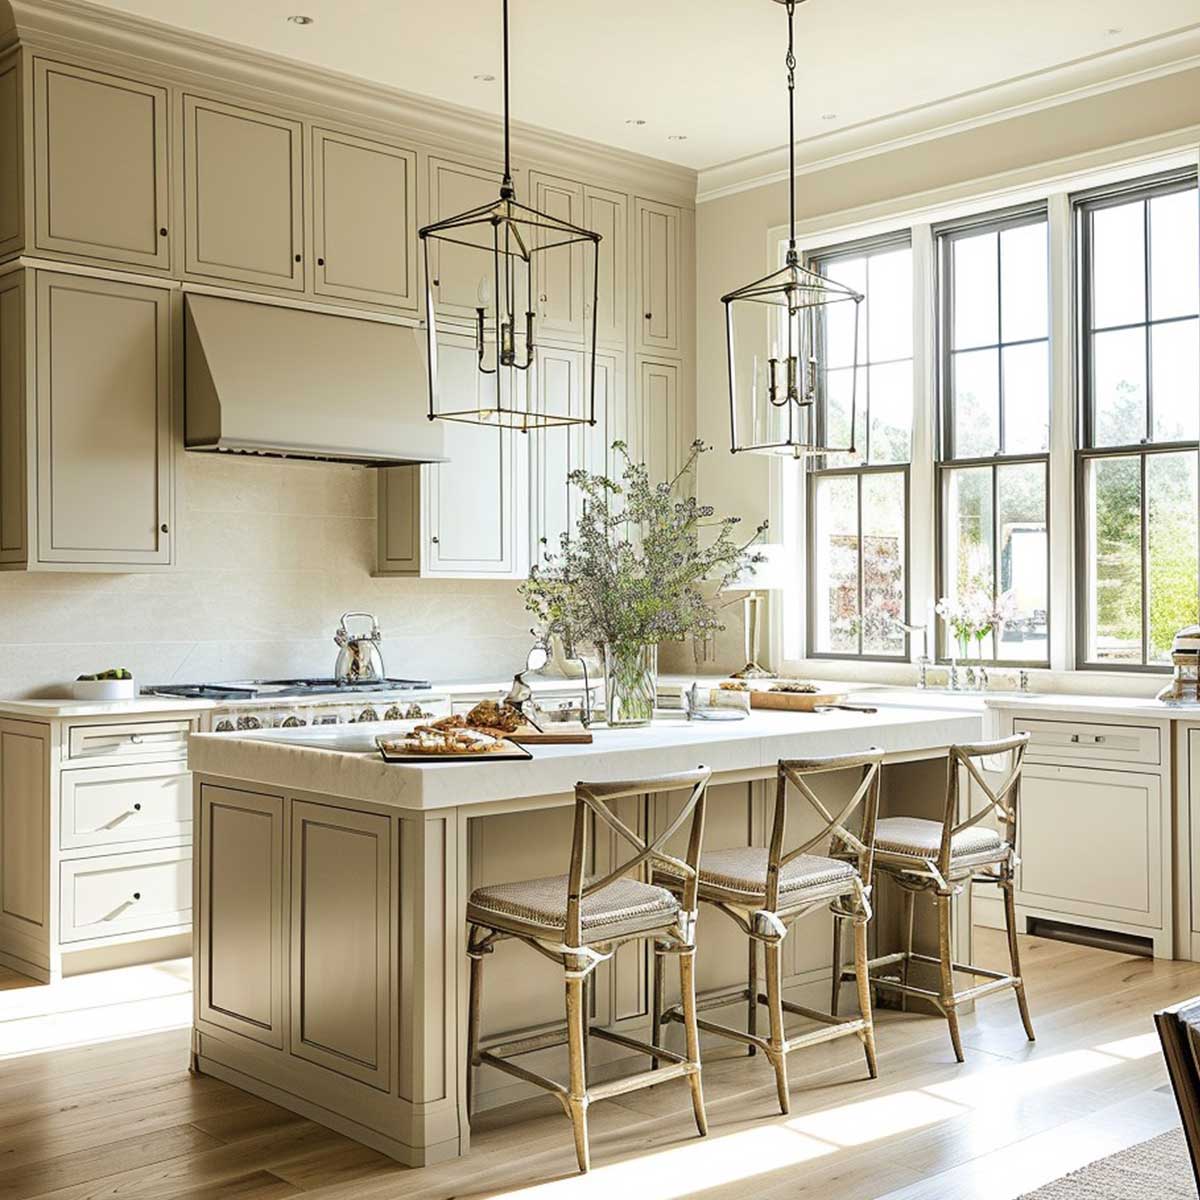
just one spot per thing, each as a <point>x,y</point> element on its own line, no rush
<point>270,554</point>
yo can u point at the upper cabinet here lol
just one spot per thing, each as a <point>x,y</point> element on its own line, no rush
<point>100,167</point>
<point>457,187</point>
<point>364,220</point>
<point>12,174</point>
<point>243,196</point>
<point>606,213</point>
<point>559,269</point>
<point>86,432</point>
<point>657,228</point>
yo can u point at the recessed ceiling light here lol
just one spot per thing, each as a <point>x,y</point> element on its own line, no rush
<point>677,137</point>
<point>635,121</point>
<point>829,116</point>
<point>485,78</point>
<point>1114,31</point>
<point>300,19</point>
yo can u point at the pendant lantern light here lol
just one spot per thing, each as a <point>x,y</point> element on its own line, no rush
<point>487,256</point>
<point>782,398</point>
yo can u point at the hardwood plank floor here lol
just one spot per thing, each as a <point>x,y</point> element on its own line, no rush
<point>88,1111</point>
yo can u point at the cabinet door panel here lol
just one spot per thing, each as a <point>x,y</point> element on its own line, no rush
<point>240,922</point>
<point>101,166</point>
<point>342,941</point>
<point>1091,841</point>
<point>658,275</point>
<point>399,515</point>
<point>559,269</point>
<point>13,404</point>
<point>606,213</point>
<point>364,220</point>
<point>242,199</point>
<point>472,498</point>
<point>459,271</point>
<point>24,825</point>
<point>656,426</point>
<point>104,421</point>
<point>12,164</point>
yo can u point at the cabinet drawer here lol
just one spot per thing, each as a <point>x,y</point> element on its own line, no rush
<point>131,741</point>
<point>103,805</point>
<point>125,893</point>
<point>1087,741</point>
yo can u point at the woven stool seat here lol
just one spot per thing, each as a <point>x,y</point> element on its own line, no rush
<point>916,838</point>
<point>741,874</point>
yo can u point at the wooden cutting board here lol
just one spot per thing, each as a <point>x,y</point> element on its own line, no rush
<point>795,701</point>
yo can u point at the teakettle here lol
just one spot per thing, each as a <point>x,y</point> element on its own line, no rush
<point>359,657</point>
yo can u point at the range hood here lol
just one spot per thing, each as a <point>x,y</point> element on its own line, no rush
<point>265,379</point>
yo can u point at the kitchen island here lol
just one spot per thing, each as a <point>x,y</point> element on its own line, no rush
<point>331,889</point>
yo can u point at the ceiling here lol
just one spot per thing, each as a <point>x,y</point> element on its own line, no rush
<point>708,71</point>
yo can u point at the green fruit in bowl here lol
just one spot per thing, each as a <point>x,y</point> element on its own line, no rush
<point>111,673</point>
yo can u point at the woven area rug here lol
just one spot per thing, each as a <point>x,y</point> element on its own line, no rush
<point>1155,1170</point>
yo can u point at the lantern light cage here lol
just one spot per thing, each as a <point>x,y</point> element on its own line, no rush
<point>496,246</point>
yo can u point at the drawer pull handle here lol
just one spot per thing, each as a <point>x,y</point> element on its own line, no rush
<point>1094,739</point>
<point>136,738</point>
<point>137,895</point>
<point>137,807</point>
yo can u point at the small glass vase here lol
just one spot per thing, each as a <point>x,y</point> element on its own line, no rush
<point>630,684</point>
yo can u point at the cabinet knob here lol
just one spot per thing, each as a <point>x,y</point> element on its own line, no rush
<point>137,807</point>
<point>437,283</point>
<point>297,258</point>
<point>162,232</point>
<point>163,527</point>
<point>320,262</point>
<point>649,316</point>
<point>543,297</point>
<point>434,540</point>
<point>137,895</point>
<point>136,738</point>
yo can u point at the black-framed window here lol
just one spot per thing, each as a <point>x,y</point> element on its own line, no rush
<point>858,536</point>
<point>993,467</point>
<point>1138,305</point>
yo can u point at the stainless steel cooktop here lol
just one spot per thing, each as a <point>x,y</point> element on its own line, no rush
<point>268,689</point>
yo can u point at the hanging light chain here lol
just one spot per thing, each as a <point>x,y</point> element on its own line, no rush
<point>791,70</point>
<point>506,187</point>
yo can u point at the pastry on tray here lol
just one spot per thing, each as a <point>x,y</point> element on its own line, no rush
<point>441,739</point>
<point>491,715</point>
<point>795,687</point>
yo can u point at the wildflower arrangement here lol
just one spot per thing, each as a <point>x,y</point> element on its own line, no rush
<point>631,572</point>
<point>976,617</point>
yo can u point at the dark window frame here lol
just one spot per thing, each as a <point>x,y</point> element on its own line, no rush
<point>945,460</point>
<point>1086,450</point>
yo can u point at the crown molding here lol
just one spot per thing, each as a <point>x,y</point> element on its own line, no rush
<point>178,56</point>
<point>1109,71</point>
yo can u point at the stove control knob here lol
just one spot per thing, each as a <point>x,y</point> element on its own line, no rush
<point>368,714</point>
<point>393,713</point>
<point>224,725</point>
<point>293,722</point>
<point>249,723</point>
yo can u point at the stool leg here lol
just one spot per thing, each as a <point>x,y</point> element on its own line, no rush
<point>945,952</point>
<point>837,965</point>
<point>475,1000</point>
<point>906,917</point>
<point>862,976</point>
<point>586,998</point>
<point>752,989</point>
<point>1014,954</point>
<point>778,1052</point>
<point>577,1100</point>
<point>656,1001</point>
<point>687,992</point>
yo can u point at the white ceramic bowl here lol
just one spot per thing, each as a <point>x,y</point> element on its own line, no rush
<point>104,689</point>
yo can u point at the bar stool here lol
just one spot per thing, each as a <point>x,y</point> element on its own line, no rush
<point>941,857</point>
<point>765,891</point>
<point>580,923</point>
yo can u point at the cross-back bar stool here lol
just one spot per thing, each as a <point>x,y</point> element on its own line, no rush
<point>941,858</point>
<point>580,923</point>
<point>765,891</point>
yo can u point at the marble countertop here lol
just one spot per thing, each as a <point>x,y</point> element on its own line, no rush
<point>67,707</point>
<point>752,745</point>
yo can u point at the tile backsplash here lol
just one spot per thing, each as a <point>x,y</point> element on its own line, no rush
<point>270,554</point>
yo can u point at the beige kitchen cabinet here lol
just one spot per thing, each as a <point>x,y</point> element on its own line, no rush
<point>607,213</point>
<point>95,849</point>
<point>658,239</point>
<point>86,428</point>
<point>655,427</point>
<point>1095,828</point>
<point>559,270</point>
<point>1187,863</point>
<point>466,517</point>
<point>457,187</point>
<point>562,385</point>
<point>364,220</point>
<point>12,160</point>
<point>243,195</point>
<point>100,166</point>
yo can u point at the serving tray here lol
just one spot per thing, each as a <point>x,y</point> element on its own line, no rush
<point>511,753</point>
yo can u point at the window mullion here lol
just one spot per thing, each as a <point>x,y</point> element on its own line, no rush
<point>862,606</point>
<point>1145,515</point>
<point>923,478</point>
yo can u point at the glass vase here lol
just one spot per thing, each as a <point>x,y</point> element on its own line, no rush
<point>630,684</point>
